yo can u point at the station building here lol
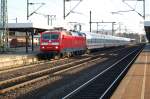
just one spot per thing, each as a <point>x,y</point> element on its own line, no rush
<point>25,34</point>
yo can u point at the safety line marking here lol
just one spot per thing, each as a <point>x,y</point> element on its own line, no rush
<point>144,78</point>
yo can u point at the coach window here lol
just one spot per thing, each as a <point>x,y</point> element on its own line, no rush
<point>88,41</point>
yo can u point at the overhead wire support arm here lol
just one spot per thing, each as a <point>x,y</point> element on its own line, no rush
<point>73,8</point>
<point>71,11</point>
<point>30,14</point>
<point>134,9</point>
<point>35,11</point>
<point>117,12</point>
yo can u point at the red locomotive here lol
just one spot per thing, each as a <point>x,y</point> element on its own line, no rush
<point>67,43</point>
<point>62,43</point>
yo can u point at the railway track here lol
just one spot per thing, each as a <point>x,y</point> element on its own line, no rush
<point>104,83</point>
<point>16,72</point>
<point>11,85</point>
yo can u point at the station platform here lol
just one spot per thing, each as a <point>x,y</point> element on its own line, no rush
<point>17,57</point>
<point>136,83</point>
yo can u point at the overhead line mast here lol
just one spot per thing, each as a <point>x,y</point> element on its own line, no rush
<point>91,22</point>
<point>3,26</point>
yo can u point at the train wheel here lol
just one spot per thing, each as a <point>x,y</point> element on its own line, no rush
<point>83,52</point>
<point>57,56</point>
<point>68,54</point>
<point>63,55</point>
<point>79,52</point>
<point>74,54</point>
<point>88,51</point>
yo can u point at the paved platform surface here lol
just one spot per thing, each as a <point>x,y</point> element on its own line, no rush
<point>20,51</point>
<point>18,56</point>
<point>136,84</point>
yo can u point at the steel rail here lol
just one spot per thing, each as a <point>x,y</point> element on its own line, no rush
<point>102,96</point>
<point>30,65</point>
<point>39,73</point>
<point>91,80</point>
<point>36,76</point>
<point>5,90</point>
<point>9,69</point>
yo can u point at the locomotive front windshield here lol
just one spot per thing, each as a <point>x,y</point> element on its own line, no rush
<point>50,36</point>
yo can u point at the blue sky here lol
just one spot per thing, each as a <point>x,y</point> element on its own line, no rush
<point>101,10</point>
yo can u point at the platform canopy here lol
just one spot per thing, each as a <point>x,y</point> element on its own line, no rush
<point>147,29</point>
<point>146,23</point>
<point>27,27</point>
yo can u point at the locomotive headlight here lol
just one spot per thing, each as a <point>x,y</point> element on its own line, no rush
<point>56,47</point>
<point>44,43</point>
<point>55,43</point>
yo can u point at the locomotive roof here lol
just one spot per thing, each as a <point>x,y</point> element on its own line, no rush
<point>73,33</point>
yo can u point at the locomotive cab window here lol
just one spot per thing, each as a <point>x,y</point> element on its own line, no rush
<point>50,36</point>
